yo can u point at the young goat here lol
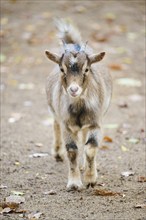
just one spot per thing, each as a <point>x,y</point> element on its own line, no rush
<point>78,95</point>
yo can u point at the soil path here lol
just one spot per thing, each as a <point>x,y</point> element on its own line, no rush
<point>116,27</point>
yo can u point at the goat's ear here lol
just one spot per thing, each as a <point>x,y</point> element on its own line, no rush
<point>53,56</point>
<point>96,57</point>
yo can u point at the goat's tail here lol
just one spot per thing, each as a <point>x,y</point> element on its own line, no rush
<point>67,31</point>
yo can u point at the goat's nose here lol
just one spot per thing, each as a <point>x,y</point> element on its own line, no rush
<point>74,89</point>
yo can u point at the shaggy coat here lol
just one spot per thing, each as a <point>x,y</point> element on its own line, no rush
<point>78,95</point>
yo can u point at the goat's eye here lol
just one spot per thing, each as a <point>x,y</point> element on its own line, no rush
<point>86,70</point>
<point>62,70</point>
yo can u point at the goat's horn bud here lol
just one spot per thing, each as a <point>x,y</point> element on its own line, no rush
<point>65,46</point>
<point>83,47</point>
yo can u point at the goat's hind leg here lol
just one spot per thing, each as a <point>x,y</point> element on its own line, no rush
<point>58,148</point>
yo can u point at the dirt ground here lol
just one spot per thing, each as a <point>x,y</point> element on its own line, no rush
<point>116,27</point>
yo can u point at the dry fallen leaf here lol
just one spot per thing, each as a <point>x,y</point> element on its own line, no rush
<point>141,179</point>
<point>20,211</point>
<point>121,50</point>
<point>6,210</point>
<point>30,27</point>
<point>100,37</point>
<point>26,86</point>
<point>2,58</point>
<point>49,121</point>
<point>110,17</point>
<point>124,149</point>
<point>33,40</point>
<point>17,193</point>
<point>115,66</point>
<point>80,9</point>
<point>46,14</point>
<point>133,140</point>
<point>111,126</point>
<point>107,139</point>
<point>122,131</point>
<point>17,163</point>
<point>101,184</point>
<point>38,144</point>
<point>127,60</point>
<point>129,82</point>
<point>51,192</point>
<point>126,125</point>
<point>135,98</point>
<point>3,186</point>
<point>127,173</point>
<point>95,26</point>
<point>11,205</point>
<point>132,36</point>
<point>140,206</point>
<point>100,192</point>
<point>123,105</point>
<point>15,117</point>
<point>104,147</point>
<point>7,207</point>
<point>12,82</point>
<point>34,216</point>
<point>38,155</point>
<point>26,35</point>
<point>15,199</point>
<point>4,21</point>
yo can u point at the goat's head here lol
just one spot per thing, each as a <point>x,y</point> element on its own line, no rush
<point>75,67</point>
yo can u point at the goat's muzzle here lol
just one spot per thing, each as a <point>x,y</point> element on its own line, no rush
<point>74,90</point>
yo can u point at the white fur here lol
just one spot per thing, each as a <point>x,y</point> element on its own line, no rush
<point>65,28</point>
<point>78,93</point>
<point>74,180</point>
<point>73,60</point>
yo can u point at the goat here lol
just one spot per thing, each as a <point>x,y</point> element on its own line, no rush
<point>78,95</point>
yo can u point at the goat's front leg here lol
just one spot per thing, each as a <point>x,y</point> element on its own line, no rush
<point>58,149</point>
<point>74,177</point>
<point>90,174</point>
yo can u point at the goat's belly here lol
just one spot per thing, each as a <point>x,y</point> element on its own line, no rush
<point>80,121</point>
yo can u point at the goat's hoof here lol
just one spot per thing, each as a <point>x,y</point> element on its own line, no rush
<point>90,180</point>
<point>58,155</point>
<point>90,184</point>
<point>74,187</point>
<point>58,158</point>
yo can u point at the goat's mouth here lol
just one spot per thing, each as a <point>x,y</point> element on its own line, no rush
<point>74,95</point>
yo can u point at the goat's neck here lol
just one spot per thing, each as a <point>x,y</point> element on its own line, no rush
<point>77,101</point>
